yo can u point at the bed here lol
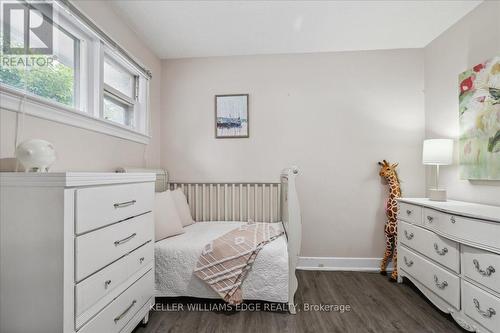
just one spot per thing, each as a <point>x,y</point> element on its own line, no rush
<point>219,207</point>
<point>267,281</point>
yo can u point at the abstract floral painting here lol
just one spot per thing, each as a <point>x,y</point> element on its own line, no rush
<point>231,116</point>
<point>479,116</point>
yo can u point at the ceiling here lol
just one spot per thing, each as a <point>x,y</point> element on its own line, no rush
<point>180,29</point>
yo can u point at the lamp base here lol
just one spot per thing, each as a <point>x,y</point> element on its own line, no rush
<point>437,194</point>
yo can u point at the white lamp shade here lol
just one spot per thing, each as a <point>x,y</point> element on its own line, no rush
<point>438,152</point>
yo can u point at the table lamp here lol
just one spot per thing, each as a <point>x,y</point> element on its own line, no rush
<point>437,152</point>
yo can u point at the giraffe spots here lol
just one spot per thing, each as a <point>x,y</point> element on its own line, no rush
<point>388,172</point>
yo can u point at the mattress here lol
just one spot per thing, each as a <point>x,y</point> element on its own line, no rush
<point>176,257</point>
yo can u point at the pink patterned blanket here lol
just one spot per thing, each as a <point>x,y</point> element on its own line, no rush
<point>225,261</point>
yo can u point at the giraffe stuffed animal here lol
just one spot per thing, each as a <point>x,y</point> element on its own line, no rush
<point>388,172</point>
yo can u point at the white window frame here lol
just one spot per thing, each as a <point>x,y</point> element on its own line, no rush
<point>134,103</point>
<point>87,113</point>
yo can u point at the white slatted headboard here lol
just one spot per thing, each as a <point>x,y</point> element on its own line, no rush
<point>232,201</point>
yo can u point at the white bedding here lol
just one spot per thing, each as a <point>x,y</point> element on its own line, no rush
<point>176,257</point>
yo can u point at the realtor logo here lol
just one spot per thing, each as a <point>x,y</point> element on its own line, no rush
<point>27,28</point>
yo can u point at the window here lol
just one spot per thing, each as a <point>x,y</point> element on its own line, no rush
<point>120,88</point>
<point>57,80</point>
<point>52,77</point>
<point>125,92</point>
<point>56,76</point>
<point>117,111</point>
<point>85,81</point>
<point>119,78</point>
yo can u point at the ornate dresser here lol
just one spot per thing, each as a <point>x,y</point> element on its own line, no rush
<point>451,252</point>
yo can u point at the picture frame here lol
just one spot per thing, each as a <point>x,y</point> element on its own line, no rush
<point>479,139</point>
<point>232,116</point>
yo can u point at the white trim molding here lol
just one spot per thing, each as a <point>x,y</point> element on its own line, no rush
<point>72,179</point>
<point>38,107</point>
<point>340,264</point>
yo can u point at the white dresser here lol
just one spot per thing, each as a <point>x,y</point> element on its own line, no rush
<point>76,251</point>
<point>451,252</point>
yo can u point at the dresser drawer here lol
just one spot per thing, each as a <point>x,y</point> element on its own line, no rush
<point>410,213</point>
<point>108,280</point>
<point>97,249</point>
<point>99,206</point>
<point>439,249</point>
<point>116,315</point>
<point>482,267</point>
<point>475,231</point>
<point>481,306</point>
<point>443,283</point>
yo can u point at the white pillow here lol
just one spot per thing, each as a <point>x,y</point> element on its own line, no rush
<point>167,221</point>
<point>182,207</point>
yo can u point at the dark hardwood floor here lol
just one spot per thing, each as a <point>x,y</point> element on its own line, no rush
<point>376,305</point>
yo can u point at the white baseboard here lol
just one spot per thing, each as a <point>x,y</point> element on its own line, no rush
<point>340,264</point>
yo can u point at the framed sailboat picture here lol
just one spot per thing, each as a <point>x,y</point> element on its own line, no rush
<point>231,116</point>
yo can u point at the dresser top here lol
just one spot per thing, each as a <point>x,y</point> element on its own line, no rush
<point>467,209</point>
<point>72,179</point>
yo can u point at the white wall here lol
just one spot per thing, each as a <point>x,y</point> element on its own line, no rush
<point>333,114</point>
<point>80,149</point>
<point>470,41</point>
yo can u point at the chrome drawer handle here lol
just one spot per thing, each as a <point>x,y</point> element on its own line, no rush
<point>124,204</point>
<point>106,284</point>
<point>487,272</point>
<point>430,218</point>
<point>486,314</point>
<point>141,260</point>
<point>408,263</point>
<point>452,219</point>
<point>408,212</point>
<point>440,252</point>
<point>409,236</point>
<point>441,285</point>
<point>125,312</point>
<point>121,241</point>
